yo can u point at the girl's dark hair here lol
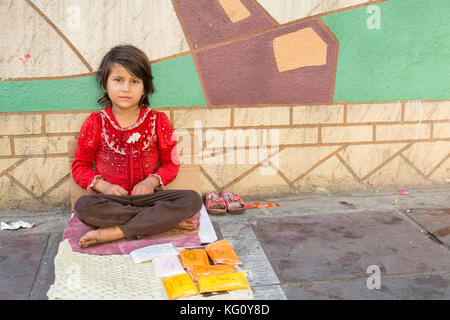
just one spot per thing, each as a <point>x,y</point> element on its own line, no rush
<point>132,59</point>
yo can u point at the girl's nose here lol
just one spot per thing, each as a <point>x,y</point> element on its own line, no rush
<point>125,86</point>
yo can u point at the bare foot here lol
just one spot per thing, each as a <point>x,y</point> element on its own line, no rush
<point>188,224</point>
<point>101,235</point>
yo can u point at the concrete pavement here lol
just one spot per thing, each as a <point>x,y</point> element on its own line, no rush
<point>313,246</point>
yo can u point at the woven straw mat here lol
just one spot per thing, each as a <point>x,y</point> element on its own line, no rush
<point>109,277</point>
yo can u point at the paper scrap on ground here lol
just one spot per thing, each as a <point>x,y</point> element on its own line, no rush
<point>16,225</point>
<point>150,252</point>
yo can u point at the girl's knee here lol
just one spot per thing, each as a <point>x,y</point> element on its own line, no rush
<point>83,205</point>
<point>195,199</point>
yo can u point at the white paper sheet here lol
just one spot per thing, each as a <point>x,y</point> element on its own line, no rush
<point>206,232</point>
<point>148,253</point>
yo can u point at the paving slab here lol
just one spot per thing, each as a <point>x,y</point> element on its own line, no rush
<point>425,276</point>
<point>20,259</point>
<point>46,275</point>
<point>343,246</point>
<point>408,287</point>
<point>435,221</point>
<point>262,277</point>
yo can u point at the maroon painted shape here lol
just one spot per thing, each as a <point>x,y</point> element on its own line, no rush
<point>20,258</point>
<point>245,71</point>
<point>343,246</point>
<point>205,21</point>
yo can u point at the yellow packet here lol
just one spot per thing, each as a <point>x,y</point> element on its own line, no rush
<point>223,282</point>
<point>222,252</point>
<point>180,286</point>
<point>211,270</point>
<point>195,257</point>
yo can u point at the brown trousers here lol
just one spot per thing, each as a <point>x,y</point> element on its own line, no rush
<point>141,215</point>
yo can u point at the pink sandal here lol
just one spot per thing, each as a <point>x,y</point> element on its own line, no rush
<point>215,204</point>
<point>234,203</point>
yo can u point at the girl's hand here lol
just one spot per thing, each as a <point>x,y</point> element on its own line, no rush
<point>115,190</point>
<point>105,187</point>
<point>146,186</point>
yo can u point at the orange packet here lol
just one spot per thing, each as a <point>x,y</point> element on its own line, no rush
<point>211,270</point>
<point>194,257</point>
<point>180,286</point>
<point>222,252</point>
<point>223,282</point>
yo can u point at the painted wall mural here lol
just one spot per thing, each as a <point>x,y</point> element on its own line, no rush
<point>242,55</point>
<point>355,93</point>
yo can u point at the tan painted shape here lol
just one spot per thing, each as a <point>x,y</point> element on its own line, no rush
<point>26,32</point>
<point>302,48</point>
<point>235,10</point>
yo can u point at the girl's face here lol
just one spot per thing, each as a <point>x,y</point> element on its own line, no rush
<point>124,89</point>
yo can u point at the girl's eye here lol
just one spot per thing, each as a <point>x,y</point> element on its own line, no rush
<point>135,81</point>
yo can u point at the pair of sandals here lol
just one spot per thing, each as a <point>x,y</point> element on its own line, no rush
<point>221,203</point>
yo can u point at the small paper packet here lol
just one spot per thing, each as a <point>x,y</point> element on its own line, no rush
<point>223,282</point>
<point>222,252</point>
<point>194,257</point>
<point>180,286</point>
<point>211,270</point>
<point>167,266</point>
<point>149,253</point>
